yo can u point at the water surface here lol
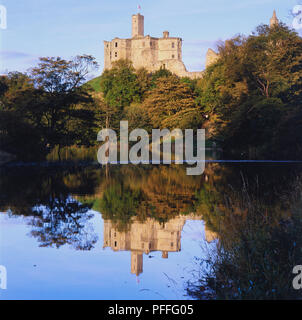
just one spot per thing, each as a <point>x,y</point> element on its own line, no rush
<point>122,232</point>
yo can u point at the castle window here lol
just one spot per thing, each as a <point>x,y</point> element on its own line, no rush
<point>173,56</point>
<point>115,243</point>
<point>172,244</point>
<point>115,54</point>
<point>173,45</point>
<point>116,44</point>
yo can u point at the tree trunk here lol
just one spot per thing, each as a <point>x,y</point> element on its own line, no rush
<point>59,153</point>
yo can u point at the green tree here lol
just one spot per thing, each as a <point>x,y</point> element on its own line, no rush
<point>51,106</point>
<point>253,92</point>
<point>120,86</point>
<point>64,101</point>
<point>18,134</point>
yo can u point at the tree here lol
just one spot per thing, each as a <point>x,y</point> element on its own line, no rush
<point>65,102</point>
<point>144,81</point>
<point>120,86</point>
<point>161,73</point>
<point>253,92</point>
<point>53,101</point>
<point>171,104</point>
<point>18,134</point>
<point>137,117</point>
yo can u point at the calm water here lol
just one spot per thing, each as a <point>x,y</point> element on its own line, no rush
<point>125,232</point>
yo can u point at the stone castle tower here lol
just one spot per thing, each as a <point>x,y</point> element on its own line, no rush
<point>148,52</point>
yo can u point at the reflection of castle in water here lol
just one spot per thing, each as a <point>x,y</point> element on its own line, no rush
<point>145,237</point>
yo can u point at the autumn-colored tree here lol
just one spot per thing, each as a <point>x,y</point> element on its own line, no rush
<point>171,104</point>
<point>161,73</point>
<point>137,117</point>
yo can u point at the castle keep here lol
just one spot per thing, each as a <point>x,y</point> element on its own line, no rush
<point>148,52</point>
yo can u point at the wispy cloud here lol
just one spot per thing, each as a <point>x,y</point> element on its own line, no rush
<point>12,60</point>
<point>12,55</point>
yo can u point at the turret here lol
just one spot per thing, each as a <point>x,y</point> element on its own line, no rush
<point>166,34</point>
<point>274,20</point>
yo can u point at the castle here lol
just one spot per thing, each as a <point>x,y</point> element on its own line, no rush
<point>148,52</point>
<point>149,236</point>
<point>155,53</point>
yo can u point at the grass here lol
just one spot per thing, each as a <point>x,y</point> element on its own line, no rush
<point>95,84</point>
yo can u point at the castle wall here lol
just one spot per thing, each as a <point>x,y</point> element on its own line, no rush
<point>169,48</point>
<point>211,57</point>
<point>144,52</point>
<point>115,50</point>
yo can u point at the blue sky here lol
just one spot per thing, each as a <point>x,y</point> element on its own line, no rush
<point>66,28</point>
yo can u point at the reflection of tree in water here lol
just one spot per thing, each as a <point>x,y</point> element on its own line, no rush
<point>223,198</point>
<point>45,195</point>
<point>161,193</point>
<point>63,221</point>
<point>120,204</point>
